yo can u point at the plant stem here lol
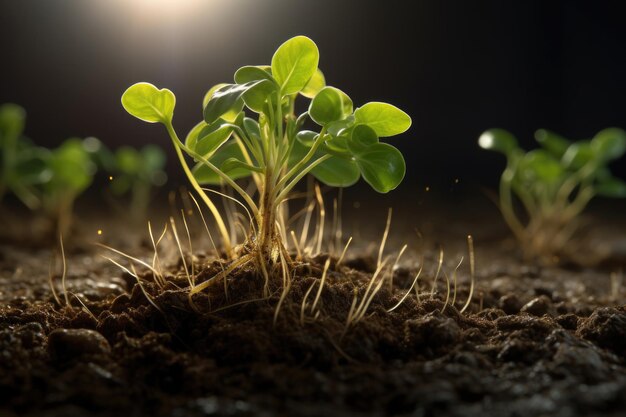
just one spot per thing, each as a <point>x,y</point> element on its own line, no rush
<point>196,186</point>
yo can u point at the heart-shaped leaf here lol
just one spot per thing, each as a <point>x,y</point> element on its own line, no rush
<point>498,140</point>
<point>385,119</point>
<point>330,105</point>
<point>315,84</point>
<point>382,166</point>
<point>148,103</point>
<point>294,63</point>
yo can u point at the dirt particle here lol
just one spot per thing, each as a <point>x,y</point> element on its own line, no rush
<point>607,328</point>
<point>65,344</point>
<point>510,304</point>
<point>539,306</point>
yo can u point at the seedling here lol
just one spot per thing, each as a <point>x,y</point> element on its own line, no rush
<point>71,173</point>
<point>23,164</point>
<point>251,129</point>
<point>554,184</point>
<point>135,172</point>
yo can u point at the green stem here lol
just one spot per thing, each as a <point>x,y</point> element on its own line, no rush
<point>199,190</point>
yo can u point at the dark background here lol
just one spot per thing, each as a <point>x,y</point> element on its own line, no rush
<point>457,67</point>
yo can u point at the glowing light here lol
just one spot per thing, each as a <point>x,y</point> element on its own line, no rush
<point>110,177</point>
<point>427,189</point>
<point>99,231</point>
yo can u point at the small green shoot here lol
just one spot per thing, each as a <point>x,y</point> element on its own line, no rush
<point>135,173</point>
<point>71,173</point>
<point>554,184</point>
<point>250,128</point>
<point>23,164</point>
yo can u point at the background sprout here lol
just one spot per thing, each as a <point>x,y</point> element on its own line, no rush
<point>23,164</point>
<point>135,172</point>
<point>554,184</point>
<point>250,129</point>
<point>71,173</point>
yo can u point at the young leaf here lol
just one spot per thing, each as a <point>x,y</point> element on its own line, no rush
<point>578,155</point>
<point>307,137</point>
<point>337,172</point>
<point>609,143</point>
<point>382,166</point>
<point>226,99</point>
<point>330,105</point>
<point>12,119</point>
<point>553,143</point>
<point>252,128</point>
<point>385,119</point>
<point>148,103</point>
<point>294,63</point>
<point>612,187</point>
<point>204,175</point>
<point>315,84</point>
<point>211,137</point>
<point>539,165</point>
<point>361,138</point>
<point>498,140</point>
<point>192,137</point>
<point>256,97</point>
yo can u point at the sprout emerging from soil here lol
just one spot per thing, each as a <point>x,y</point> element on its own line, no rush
<point>554,184</point>
<point>273,147</point>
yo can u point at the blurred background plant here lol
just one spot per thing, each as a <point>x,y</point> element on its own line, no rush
<point>554,184</point>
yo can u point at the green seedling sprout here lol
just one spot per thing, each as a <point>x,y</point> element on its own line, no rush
<point>135,173</point>
<point>71,173</point>
<point>554,184</point>
<point>23,164</point>
<point>251,129</point>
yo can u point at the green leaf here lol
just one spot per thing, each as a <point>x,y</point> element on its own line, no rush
<point>315,84</point>
<point>32,166</point>
<point>294,63</point>
<point>612,187</point>
<point>552,142</point>
<point>226,99</point>
<point>148,103</point>
<point>128,160</point>
<point>382,166</point>
<point>153,158</point>
<point>211,137</point>
<point>330,105</point>
<point>307,137</point>
<point>609,143</point>
<point>192,137</point>
<point>12,120</point>
<point>256,97</point>
<point>340,128</point>
<point>204,175</point>
<point>72,169</point>
<point>361,138</point>
<point>498,140</point>
<point>539,165</point>
<point>337,172</point>
<point>578,155</point>
<point>385,119</point>
<point>252,128</point>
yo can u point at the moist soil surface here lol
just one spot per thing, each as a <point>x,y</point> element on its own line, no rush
<point>533,340</point>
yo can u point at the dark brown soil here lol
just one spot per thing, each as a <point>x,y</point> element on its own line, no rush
<point>534,341</point>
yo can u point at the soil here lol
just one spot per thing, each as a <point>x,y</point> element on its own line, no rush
<point>534,341</point>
